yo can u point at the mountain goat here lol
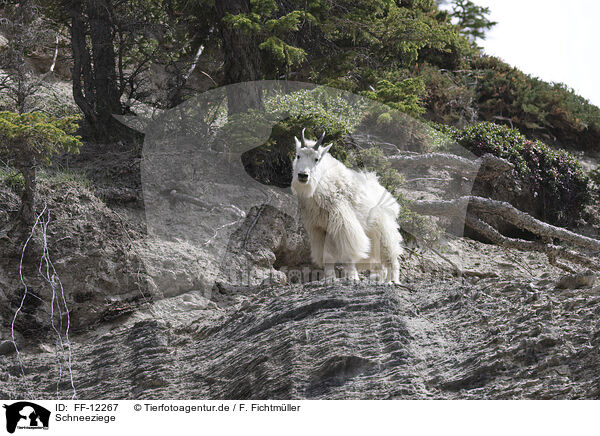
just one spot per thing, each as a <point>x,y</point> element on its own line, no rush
<point>350,218</point>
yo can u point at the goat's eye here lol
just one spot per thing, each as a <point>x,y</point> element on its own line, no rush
<point>317,160</point>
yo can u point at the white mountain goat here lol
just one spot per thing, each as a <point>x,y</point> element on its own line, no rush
<point>350,218</point>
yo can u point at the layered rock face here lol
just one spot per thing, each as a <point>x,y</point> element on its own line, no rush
<point>429,339</point>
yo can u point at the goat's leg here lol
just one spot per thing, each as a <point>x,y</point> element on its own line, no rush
<point>378,272</point>
<point>317,243</point>
<point>384,274</point>
<point>394,272</point>
<point>350,272</point>
<point>329,260</point>
<point>391,247</point>
<point>329,272</point>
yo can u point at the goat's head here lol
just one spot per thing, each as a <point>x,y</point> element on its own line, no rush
<point>308,163</point>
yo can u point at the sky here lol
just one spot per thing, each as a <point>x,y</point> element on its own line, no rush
<point>555,40</point>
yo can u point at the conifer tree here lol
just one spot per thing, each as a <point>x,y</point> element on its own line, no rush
<point>472,19</point>
<point>29,140</point>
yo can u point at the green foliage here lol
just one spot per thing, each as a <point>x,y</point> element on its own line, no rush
<point>404,96</point>
<point>33,137</point>
<point>551,112</point>
<point>555,177</point>
<point>60,177</point>
<point>263,7</point>
<point>472,19</point>
<point>488,89</point>
<point>13,179</point>
<point>377,40</point>
<point>288,23</point>
<point>275,28</point>
<point>283,53</point>
<point>449,98</point>
<point>30,139</point>
<point>405,33</point>
<point>248,23</point>
<point>372,159</point>
<point>327,109</point>
<point>163,33</point>
<point>380,47</point>
<point>395,127</point>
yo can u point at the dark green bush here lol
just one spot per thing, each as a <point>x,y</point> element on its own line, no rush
<point>449,98</point>
<point>543,110</point>
<point>395,127</point>
<point>28,141</point>
<point>317,110</point>
<point>376,40</point>
<point>271,163</point>
<point>13,180</point>
<point>404,96</point>
<point>373,159</point>
<point>555,176</point>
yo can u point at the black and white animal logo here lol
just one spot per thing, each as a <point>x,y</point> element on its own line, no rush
<point>26,415</point>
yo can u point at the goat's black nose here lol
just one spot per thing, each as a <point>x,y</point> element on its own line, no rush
<point>302,177</point>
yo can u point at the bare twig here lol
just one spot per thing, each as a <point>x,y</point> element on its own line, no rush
<point>55,56</point>
<point>189,72</point>
<point>25,293</point>
<point>48,272</point>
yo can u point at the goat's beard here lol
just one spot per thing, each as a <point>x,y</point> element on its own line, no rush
<point>304,189</point>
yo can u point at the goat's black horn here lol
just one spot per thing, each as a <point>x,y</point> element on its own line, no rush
<point>303,140</point>
<point>320,141</point>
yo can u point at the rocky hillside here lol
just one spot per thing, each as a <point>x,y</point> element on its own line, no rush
<point>153,318</point>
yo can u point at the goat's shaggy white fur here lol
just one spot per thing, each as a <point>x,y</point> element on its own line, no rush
<point>350,218</point>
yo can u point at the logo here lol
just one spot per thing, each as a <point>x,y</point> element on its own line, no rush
<point>26,415</point>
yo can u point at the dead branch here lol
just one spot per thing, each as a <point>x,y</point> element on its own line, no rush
<point>179,196</point>
<point>480,205</point>
<point>55,56</point>
<point>552,251</point>
<point>174,195</point>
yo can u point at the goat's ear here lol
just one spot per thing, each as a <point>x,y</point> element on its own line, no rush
<point>323,150</point>
<point>298,144</point>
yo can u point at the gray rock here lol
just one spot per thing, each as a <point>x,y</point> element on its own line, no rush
<point>340,341</point>
<point>584,279</point>
<point>6,347</point>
